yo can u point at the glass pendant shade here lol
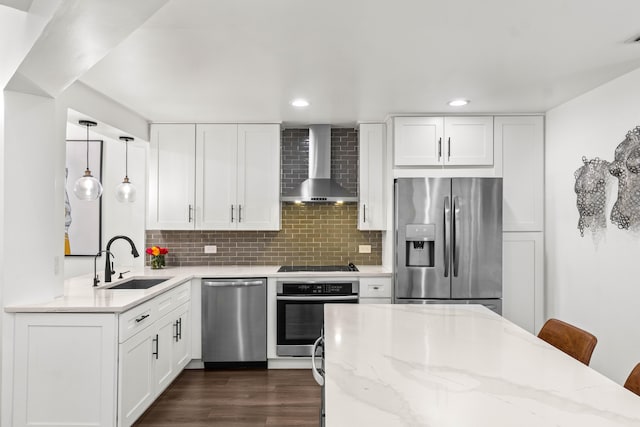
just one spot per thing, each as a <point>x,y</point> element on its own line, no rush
<point>87,187</point>
<point>126,192</point>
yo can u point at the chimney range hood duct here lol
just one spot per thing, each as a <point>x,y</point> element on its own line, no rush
<point>319,187</point>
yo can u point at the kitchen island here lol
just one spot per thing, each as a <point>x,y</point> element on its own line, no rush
<point>457,366</point>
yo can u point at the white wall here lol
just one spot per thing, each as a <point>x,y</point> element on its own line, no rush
<point>13,49</point>
<point>596,287</point>
<point>117,218</point>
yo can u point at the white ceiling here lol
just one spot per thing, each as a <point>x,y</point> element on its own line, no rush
<point>360,60</point>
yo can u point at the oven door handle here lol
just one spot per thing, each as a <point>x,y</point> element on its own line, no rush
<point>318,298</point>
<point>318,375</point>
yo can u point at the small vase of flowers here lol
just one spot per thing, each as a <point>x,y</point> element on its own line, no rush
<point>157,256</point>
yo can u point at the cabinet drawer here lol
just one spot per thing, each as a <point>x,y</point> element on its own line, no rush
<point>173,298</point>
<point>375,287</point>
<point>182,294</point>
<point>136,319</point>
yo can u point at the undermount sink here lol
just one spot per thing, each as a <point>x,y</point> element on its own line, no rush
<point>137,283</point>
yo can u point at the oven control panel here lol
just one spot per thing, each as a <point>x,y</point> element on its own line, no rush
<point>332,288</point>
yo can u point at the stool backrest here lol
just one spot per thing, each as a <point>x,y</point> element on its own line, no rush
<point>633,381</point>
<point>574,341</point>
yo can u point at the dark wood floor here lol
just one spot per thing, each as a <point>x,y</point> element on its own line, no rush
<point>252,397</point>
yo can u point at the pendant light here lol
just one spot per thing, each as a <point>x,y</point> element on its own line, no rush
<point>126,192</point>
<point>87,187</point>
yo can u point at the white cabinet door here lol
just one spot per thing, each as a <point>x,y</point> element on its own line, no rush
<point>522,140</point>
<point>136,378</point>
<point>522,280</point>
<point>182,342</point>
<point>469,141</point>
<point>216,172</point>
<point>163,358</point>
<point>443,141</point>
<point>63,371</point>
<point>418,141</point>
<point>371,207</point>
<point>258,177</point>
<point>171,191</point>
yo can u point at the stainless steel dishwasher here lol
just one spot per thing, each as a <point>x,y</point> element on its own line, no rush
<point>234,322</point>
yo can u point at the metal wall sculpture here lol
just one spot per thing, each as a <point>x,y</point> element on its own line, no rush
<point>591,185</point>
<point>626,167</point>
<point>590,188</point>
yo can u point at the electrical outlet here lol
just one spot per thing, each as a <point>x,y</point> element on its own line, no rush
<point>364,249</point>
<point>210,249</point>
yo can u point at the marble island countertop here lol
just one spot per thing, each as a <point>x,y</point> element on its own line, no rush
<point>457,366</point>
<point>80,295</point>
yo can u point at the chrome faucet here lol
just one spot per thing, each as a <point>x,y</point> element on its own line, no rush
<point>108,267</point>
<point>96,280</point>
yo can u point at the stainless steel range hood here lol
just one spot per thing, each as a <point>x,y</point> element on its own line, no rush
<point>319,187</point>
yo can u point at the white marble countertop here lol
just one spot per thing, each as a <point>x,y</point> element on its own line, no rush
<point>457,366</point>
<point>80,296</point>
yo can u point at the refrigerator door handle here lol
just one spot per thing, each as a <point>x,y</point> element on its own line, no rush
<point>456,236</point>
<point>447,237</point>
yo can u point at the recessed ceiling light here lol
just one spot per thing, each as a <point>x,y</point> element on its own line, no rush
<point>300,103</point>
<point>458,102</point>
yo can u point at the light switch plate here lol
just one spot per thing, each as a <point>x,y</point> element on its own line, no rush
<point>210,249</point>
<point>364,249</point>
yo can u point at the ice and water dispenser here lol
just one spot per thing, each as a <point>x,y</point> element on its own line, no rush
<point>420,242</point>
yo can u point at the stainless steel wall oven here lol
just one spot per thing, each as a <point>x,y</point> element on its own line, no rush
<point>300,311</point>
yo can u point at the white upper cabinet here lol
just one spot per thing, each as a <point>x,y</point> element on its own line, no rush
<point>238,177</point>
<point>214,177</point>
<point>258,177</point>
<point>443,141</point>
<point>216,172</point>
<point>418,141</point>
<point>172,177</point>
<point>372,147</point>
<point>522,139</point>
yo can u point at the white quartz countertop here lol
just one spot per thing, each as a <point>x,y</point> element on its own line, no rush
<point>80,295</point>
<point>457,366</point>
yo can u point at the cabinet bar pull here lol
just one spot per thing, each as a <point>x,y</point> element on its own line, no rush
<point>175,335</point>
<point>180,328</point>
<point>449,149</point>
<point>439,148</point>
<point>364,213</point>
<point>190,213</point>
<point>155,353</point>
<point>239,213</point>
<point>231,213</point>
<point>141,318</point>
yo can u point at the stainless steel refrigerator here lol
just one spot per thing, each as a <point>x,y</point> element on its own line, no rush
<point>448,241</point>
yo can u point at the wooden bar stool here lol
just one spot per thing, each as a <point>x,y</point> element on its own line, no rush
<point>574,341</point>
<point>633,381</point>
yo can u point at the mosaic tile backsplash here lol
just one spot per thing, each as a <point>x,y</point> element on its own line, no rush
<point>312,234</point>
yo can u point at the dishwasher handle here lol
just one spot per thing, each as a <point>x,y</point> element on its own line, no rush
<point>234,283</point>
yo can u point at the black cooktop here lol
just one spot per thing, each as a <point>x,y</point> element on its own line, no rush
<point>297,268</point>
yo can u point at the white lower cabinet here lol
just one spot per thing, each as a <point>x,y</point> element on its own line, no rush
<point>64,369</point>
<point>150,361</point>
<point>375,290</point>
<point>98,369</point>
<point>136,376</point>
<point>522,279</point>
